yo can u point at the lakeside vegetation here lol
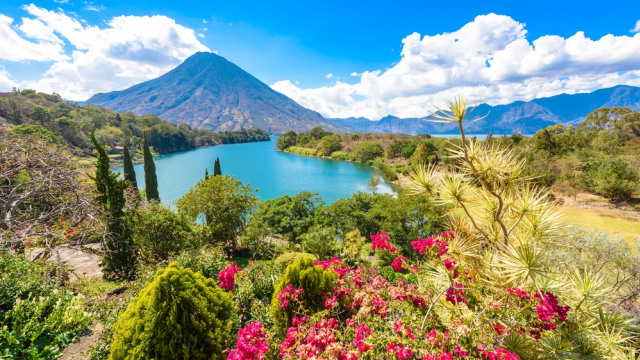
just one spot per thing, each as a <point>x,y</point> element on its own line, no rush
<point>70,124</point>
<point>470,261</point>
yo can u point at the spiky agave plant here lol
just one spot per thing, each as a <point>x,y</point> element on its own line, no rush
<point>501,220</point>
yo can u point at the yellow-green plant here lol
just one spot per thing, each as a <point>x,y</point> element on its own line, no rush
<point>179,315</point>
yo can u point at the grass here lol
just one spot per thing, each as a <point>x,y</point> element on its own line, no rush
<point>607,220</point>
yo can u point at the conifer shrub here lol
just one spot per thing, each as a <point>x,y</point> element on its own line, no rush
<point>300,291</point>
<point>179,315</point>
<point>286,259</point>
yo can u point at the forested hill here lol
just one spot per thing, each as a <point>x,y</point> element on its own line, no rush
<point>209,91</point>
<point>71,124</point>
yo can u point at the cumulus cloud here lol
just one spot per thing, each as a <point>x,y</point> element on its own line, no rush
<point>636,28</point>
<point>329,75</point>
<point>6,83</point>
<point>126,51</point>
<point>489,55</point>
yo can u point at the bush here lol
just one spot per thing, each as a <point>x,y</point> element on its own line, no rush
<point>313,280</point>
<point>366,151</point>
<point>329,144</point>
<point>340,155</point>
<point>35,131</point>
<point>159,232</point>
<point>286,259</point>
<point>302,151</point>
<point>254,287</point>
<point>321,242</point>
<point>179,315</point>
<point>388,174</point>
<point>20,278</point>
<point>40,327</point>
<point>614,178</point>
<point>208,260</point>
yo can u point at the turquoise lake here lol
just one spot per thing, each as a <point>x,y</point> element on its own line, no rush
<point>274,173</point>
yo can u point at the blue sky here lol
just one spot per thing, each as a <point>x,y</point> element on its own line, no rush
<point>342,58</point>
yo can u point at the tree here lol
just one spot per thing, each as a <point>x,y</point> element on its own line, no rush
<point>40,114</point>
<point>224,202</point>
<point>129,171</point>
<point>119,258</point>
<point>373,182</point>
<point>287,140</point>
<point>15,113</point>
<point>179,315</point>
<point>216,167</point>
<point>329,144</point>
<point>367,150</point>
<point>150,179</point>
<point>206,174</point>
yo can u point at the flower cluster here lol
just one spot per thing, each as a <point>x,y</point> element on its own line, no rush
<point>227,276</point>
<point>382,241</point>
<point>439,245</point>
<point>335,263</point>
<point>251,344</point>
<point>398,263</point>
<point>287,294</point>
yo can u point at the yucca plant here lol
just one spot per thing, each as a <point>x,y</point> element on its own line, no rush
<point>502,225</point>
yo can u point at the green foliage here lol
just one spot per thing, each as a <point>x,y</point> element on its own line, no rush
<point>340,155</point>
<point>119,258</point>
<point>216,167</point>
<point>253,290</point>
<point>207,260</point>
<point>366,151</point>
<point>15,113</point>
<point>321,242</point>
<point>20,278</point>
<point>286,259</point>
<point>40,114</point>
<point>129,171</point>
<point>409,148</point>
<point>313,281</point>
<point>352,252</point>
<point>159,232</point>
<point>179,315</point>
<point>150,178</point>
<point>287,140</point>
<point>622,122</point>
<point>287,215</point>
<point>318,133</point>
<point>302,151</point>
<point>329,144</point>
<point>36,131</point>
<point>612,178</point>
<point>424,153</point>
<point>388,174</point>
<point>225,203</point>
<point>40,327</point>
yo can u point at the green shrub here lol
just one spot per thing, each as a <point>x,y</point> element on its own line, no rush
<point>329,144</point>
<point>286,259</point>
<point>302,151</point>
<point>20,278</point>
<point>320,241</point>
<point>209,260</point>
<point>36,131</point>
<point>40,327</point>
<point>254,287</point>
<point>613,178</point>
<point>388,174</point>
<point>179,315</point>
<point>313,281</point>
<point>366,151</point>
<point>158,232</point>
<point>340,155</point>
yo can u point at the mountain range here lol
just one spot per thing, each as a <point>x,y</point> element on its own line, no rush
<point>524,117</point>
<point>208,91</point>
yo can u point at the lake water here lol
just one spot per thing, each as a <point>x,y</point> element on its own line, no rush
<point>274,173</point>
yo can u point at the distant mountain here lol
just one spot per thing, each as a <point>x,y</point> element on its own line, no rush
<point>518,117</point>
<point>208,91</point>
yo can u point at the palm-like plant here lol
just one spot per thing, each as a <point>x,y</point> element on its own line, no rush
<point>501,222</point>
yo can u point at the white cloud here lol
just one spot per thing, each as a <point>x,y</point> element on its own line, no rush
<point>354,74</point>
<point>329,76</point>
<point>636,28</point>
<point>14,47</point>
<point>492,54</point>
<point>5,81</point>
<point>128,50</point>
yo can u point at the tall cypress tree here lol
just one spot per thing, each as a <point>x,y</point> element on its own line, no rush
<point>118,260</point>
<point>150,179</point>
<point>129,172</point>
<point>206,174</point>
<point>216,167</point>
